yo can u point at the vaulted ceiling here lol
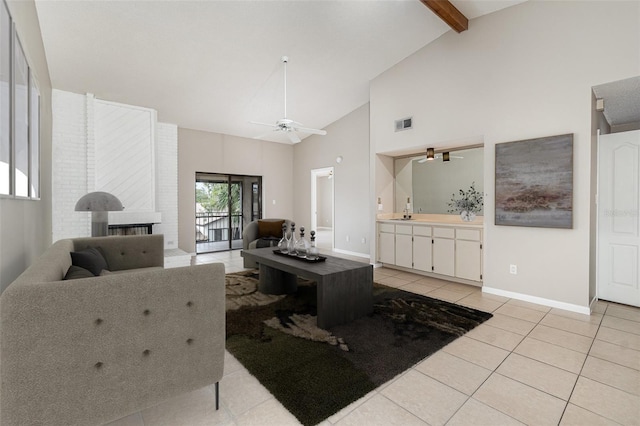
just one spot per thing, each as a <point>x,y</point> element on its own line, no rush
<point>216,65</point>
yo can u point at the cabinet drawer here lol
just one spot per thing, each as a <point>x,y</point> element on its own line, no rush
<point>403,229</point>
<point>424,231</point>
<point>468,234</point>
<point>386,227</point>
<point>443,232</point>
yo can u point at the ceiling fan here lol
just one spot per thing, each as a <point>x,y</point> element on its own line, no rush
<point>286,125</point>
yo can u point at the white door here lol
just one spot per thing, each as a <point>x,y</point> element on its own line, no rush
<point>619,218</point>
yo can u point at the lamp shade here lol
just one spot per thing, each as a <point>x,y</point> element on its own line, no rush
<point>99,202</point>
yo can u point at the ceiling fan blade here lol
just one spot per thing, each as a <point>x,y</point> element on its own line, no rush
<point>310,131</point>
<point>293,137</point>
<point>264,135</point>
<point>263,124</point>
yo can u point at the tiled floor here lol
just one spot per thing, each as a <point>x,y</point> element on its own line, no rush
<point>529,364</point>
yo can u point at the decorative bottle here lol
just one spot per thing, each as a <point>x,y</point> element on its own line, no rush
<point>302,245</point>
<point>312,253</point>
<point>291,244</point>
<point>282,244</point>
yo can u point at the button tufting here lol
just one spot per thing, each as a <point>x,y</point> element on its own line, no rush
<point>98,365</point>
<point>189,303</point>
<point>146,312</point>
<point>121,253</point>
<point>146,352</point>
<point>98,321</point>
<point>189,341</point>
<point>144,252</point>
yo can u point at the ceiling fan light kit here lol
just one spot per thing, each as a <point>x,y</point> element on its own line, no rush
<point>286,125</point>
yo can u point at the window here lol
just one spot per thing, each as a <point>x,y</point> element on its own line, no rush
<point>21,121</point>
<point>34,138</point>
<point>19,116</point>
<point>5,100</point>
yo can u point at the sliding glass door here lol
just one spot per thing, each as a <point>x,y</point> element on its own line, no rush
<point>225,204</point>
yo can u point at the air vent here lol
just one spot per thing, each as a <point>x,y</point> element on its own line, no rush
<point>404,124</point>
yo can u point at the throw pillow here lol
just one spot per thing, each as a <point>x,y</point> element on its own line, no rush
<point>270,228</point>
<point>76,272</point>
<point>91,259</point>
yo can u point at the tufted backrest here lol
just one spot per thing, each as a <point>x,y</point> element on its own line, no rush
<point>130,252</point>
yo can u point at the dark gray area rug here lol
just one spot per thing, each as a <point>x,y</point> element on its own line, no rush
<point>312,376</point>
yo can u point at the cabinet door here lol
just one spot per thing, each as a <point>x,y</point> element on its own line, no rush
<point>468,260</point>
<point>422,253</point>
<point>404,251</point>
<point>387,248</point>
<point>444,256</point>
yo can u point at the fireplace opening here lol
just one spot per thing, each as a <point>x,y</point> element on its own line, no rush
<point>131,229</point>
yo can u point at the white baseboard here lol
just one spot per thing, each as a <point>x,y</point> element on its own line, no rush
<point>352,253</point>
<point>538,300</point>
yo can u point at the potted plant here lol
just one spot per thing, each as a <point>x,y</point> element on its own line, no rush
<point>468,203</point>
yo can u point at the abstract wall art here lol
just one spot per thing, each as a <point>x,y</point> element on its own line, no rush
<point>534,182</point>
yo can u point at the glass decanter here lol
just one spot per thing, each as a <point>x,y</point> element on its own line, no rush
<point>282,244</point>
<point>291,243</point>
<point>312,252</point>
<point>302,245</point>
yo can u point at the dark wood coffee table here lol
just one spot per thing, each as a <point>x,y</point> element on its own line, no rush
<point>345,287</point>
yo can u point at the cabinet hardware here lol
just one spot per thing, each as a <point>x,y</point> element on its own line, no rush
<point>480,246</point>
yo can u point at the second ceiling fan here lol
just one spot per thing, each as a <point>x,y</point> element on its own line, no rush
<point>286,125</point>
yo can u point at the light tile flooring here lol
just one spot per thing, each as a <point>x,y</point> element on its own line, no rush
<point>529,364</point>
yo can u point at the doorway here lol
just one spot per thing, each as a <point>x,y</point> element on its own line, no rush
<point>322,207</point>
<point>225,204</point>
<point>619,217</point>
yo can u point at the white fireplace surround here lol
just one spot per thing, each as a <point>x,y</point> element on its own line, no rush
<point>116,148</point>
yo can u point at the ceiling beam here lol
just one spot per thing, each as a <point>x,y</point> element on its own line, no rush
<point>448,13</point>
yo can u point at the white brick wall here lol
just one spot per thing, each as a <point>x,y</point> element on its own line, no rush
<point>69,156</point>
<point>74,168</point>
<point>167,183</point>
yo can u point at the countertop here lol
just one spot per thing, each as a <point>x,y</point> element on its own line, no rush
<point>430,219</point>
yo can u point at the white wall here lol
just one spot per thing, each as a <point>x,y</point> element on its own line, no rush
<point>349,138</point>
<point>25,225</point>
<point>200,151</point>
<point>520,73</point>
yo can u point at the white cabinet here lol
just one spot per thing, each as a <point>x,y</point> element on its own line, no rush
<point>422,248</point>
<point>469,254</point>
<point>445,250</point>
<point>386,243</point>
<point>404,246</point>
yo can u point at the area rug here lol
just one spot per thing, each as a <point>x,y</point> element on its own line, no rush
<point>313,372</point>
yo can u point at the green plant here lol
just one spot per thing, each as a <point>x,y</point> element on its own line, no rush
<point>469,200</point>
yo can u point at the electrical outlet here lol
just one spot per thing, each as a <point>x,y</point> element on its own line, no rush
<point>363,241</point>
<point>348,239</point>
<point>513,269</point>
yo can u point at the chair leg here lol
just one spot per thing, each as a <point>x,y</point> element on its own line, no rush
<point>217,395</point>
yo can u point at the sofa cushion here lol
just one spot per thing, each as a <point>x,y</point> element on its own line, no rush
<point>270,228</point>
<point>91,259</point>
<point>76,272</point>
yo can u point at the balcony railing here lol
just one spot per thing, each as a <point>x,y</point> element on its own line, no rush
<point>214,226</point>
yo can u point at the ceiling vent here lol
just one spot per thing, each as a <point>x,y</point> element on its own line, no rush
<point>404,124</point>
